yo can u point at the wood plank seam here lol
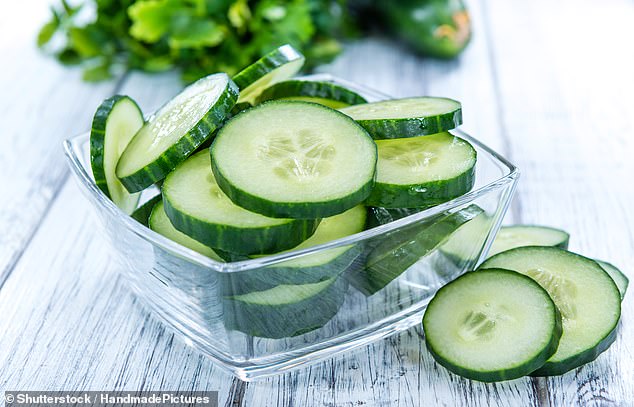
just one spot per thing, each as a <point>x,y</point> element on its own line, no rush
<point>516,204</point>
<point>6,273</point>
<point>538,385</point>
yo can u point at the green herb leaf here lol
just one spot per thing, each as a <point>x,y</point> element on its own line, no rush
<point>98,72</point>
<point>46,32</point>
<point>151,19</point>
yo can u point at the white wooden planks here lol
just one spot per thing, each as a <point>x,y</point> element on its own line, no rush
<point>548,84</point>
<point>566,84</point>
<point>41,103</point>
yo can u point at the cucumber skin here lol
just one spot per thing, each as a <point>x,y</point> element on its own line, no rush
<point>186,145</point>
<point>288,320</point>
<point>97,139</point>
<point>242,240</point>
<point>263,66</point>
<point>325,90</point>
<point>416,23</point>
<point>580,359</point>
<point>408,196</point>
<point>268,277</point>
<point>390,258</point>
<point>142,213</point>
<point>587,356</point>
<point>295,210</point>
<point>381,216</point>
<point>507,374</point>
<point>381,129</point>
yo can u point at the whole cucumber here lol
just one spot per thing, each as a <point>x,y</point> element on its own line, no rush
<point>437,28</point>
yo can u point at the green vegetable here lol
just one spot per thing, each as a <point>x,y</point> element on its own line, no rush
<point>492,325</point>
<point>197,36</point>
<point>437,28</point>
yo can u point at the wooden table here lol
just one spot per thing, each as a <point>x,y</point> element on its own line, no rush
<point>548,84</point>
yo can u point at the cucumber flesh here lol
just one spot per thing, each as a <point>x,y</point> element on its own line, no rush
<point>115,123</point>
<point>196,206</point>
<point>409,117</point>
<point>510,237</point>
<point>325,93</point>
<point>278,65</point>
<point>316,267</point>
<point>587,298</point>
<point>160,223</point>
<point>285,310</point>
<point>492,325</point>
<point>617,275</point>
<point>295,160</point>
<point>176,131</point>
<point>422,171</point>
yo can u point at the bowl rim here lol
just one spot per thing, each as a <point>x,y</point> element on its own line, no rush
<point>87,184</point>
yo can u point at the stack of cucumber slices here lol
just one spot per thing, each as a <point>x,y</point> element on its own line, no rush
<point>262,163</point>
<point>532,308</point>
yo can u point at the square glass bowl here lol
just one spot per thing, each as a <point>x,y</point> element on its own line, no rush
<point>267,315</point>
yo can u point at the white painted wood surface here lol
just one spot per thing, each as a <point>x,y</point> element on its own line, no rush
<point>549,84</point>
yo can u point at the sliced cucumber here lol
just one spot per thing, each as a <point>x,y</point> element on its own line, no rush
<point>402,248</point>
<point>587,298</point>
<point>510,237</point>
<point>160,223</point>
<point>464,246</point>
<point>143,212</point>
<point>422,171</point>
<point>492,325</point>
<point>295,160</point>
<point>313,268</point>
<point>617,275</point>
<point>285,310</point>
<point>197,207</point>
<point>325,93</point>
<point>176,131</point>
<point>278,65</point>
<point>407,117</point>
<point>382,216</point>
<point>115,123</point>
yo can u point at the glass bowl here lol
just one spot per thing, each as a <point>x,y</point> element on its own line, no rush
<point>312,303</point>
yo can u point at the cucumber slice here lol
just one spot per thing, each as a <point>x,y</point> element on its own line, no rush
<point>313,268</point>
<point>295,160</point>
<point>115,123</point>
<point>407,117</point>
<point>464,246</point>
<point>510,237</point>
<point>617,275</point>
<point>587,298</point>
<point>404,247</point>
<point>176,131</point>
<point>160,223</point>
<point>382,216</point>
<point>422,171</point>
<point>325,93</point>
<point>278,65</point>
<point>143,212</point>
<point>197,207</point>
<point>492,325</point>
<point>285,310</point>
